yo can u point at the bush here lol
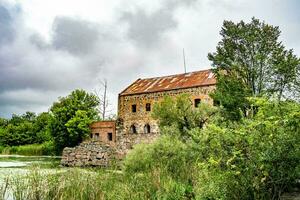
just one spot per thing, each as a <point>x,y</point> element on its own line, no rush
<point>167,154</point>
<point>46,148</point>
<point>1,148</point>
<point>257,158</point>
<point>166,165</point>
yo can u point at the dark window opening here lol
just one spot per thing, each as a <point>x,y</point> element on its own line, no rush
<point>147,128</point>
<point>133,129</point>
<point>197,102</point>
<point>216,103</point>
<point>109,136</point>
<point>96,136</point>
<point>133,108</point>
<point>91,135</point>
<point>148,107</point>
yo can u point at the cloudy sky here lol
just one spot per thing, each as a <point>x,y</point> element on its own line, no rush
<point>51,47</point>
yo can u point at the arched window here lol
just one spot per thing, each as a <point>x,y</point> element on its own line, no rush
<point>148,107</point>
<point>147,128</point>
<point>133,129</point>
<point>197,102</point>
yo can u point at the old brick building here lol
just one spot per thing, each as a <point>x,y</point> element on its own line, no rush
<point>136,101</point>
<point>135,104</point>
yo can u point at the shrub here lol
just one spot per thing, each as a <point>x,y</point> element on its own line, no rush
<point>167,154</point>
<point>46,148</point>
<point>257,158</point>
<point>166,167</point>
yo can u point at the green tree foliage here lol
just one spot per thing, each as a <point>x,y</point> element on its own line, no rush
<point>3,122</point>
<point>24,129</point>
<point>257,157</point>
<point>181,116</point>
<point>41,127</point>
<point>251,61</point>
<point>78,126</point>
<point>71,116</point>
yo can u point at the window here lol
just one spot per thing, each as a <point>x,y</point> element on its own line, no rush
<point>197,102</point>
<point>216,103</point>
<point>133,129</point>
<point>109,136</point>
<point>147,128</point>
<point>133,108</point>
<point>91,135</point>
<point>96,136</point>
<point>148,107</point>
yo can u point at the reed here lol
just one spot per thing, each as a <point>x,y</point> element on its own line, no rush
<point>89,184</point>
<point>46,148</point>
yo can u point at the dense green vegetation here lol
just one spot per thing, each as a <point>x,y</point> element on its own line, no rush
<point>257,157</point>
<point>71,117</point>
<point>48,133</point>
<point>251,61</point>
<point>46,148</point>
<point>24,129</point>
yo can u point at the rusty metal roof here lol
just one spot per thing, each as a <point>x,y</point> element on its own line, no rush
<point>164,83</point>
<point>103,124</point>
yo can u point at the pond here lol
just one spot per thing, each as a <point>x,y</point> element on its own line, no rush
<point>16,165</point>
<point>12,165</point>
<point>15,161</point>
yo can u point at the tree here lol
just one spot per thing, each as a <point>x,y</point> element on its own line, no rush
<point>70,118</point>
<point>251,59</point>
<point>3,122</point>
<point>77,126</point>
<point>104,104</point>
<point>178,116</point>
<point>19,130</point>
<point>41,127</point>
<point>256,158</point>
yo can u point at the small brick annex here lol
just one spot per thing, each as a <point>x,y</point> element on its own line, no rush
<point>135,124</point>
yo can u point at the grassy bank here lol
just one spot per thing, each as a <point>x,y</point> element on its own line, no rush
<point>88,184</point>
<point>46,148</point>
<point>82,184</point>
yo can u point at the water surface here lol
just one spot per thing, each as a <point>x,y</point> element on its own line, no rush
<point>13,165</point>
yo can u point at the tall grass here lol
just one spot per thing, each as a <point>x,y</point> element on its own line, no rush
<point>82,184</point>
<point>1,149</point>
<point>159,180</point>
<point>4,189</point>
<point>46,148</point>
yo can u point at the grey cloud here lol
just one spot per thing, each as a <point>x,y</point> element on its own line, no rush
<point>138,42</point>
<point>7,31</point>
<point>74,35</point>
<point>173,4</point>
<point>38,41</point>
<point>34,72</point>
<point>147,29</point>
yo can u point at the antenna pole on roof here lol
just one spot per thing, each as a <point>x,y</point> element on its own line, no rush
<point>184,61</point>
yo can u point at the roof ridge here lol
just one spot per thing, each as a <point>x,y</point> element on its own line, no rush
<point>171,82</point>
<point>130,85</point>
<point>210,69</point>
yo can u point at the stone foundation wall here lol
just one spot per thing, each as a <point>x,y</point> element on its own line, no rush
<point>127,141</point>
<point>99,154</point>
<point>89,153</point>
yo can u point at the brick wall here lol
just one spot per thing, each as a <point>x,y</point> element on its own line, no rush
<point>142,117</point>
<point>104,131</point>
